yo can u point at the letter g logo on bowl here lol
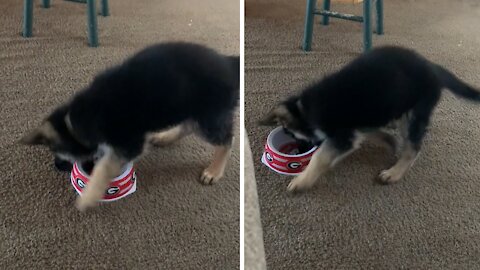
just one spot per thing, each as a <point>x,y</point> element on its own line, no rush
<point>294,165</point>
<point>80,183</point>
<point>268,156</point>
<point>112,190</point>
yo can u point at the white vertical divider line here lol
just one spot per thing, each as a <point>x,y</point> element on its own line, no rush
<point>242,132</point>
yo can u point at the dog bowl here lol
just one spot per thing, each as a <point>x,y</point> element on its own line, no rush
<point>282,153</point>
<point>120,187</point>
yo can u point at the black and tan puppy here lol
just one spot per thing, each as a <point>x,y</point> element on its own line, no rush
<point>387,85</point>
<point>159,95</point>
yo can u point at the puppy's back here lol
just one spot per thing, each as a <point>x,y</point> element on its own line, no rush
<point>160,86</point>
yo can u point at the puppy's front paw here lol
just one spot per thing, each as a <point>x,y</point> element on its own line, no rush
<point>300,183</point>
<point>211,175</point>
<point>86,201</point>
<point>390,176</point>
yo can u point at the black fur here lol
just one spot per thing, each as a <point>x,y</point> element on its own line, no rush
<point>369,93</point>
<point>160,87</point>
<point>63,165</point>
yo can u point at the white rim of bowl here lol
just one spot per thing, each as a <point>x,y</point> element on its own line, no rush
<point>270,144</point>
<point>128,169</point>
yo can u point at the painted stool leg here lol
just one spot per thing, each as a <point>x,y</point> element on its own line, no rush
<point>307,34</point>
<point>92,23</point>
<point>379,9</point>
<point>326,6</point>
<point>46,3</point>
<point>367,25</point>
<point>27,18</point>
<point>105,9</point>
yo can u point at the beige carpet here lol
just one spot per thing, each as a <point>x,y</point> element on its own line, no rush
<point>172,221</point>
<point>431,220</point>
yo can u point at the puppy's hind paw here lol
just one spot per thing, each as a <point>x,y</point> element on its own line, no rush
<point>389,176</point>
<point>210,176</point>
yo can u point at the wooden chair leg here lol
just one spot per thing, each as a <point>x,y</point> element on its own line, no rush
<point>92,23</point>
<point>367,25</point>
<point>46,3</point>
<point>105,9</point>
<point>379,10</point>
<point>27,18</point>
<point>309,16</point>
<point>326,6</point>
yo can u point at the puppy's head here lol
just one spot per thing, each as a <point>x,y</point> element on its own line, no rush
<point>289,114</point>
<point>55,132</point>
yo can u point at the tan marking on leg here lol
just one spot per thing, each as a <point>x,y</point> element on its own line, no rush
<point>359,138</point>
<point>384,139</point>
<point>216,169</point>
<point>106,169</point>
<point>169,136</point>
<point>397,171</point>
<point>322,160</point>
<point>319,164</point>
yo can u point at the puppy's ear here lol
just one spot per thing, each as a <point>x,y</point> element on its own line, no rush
<point>275,117</point>
<point>43,135</point>
<point>35,137</point>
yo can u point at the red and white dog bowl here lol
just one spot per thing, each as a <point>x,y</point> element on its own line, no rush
<point>282,153</point>
<point>120,187</point>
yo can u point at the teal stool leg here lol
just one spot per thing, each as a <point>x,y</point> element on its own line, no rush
<point>379,9</point>
<point>307,34</point>
<point>27,18</point>
<point>326,6</point>
<point>92,23</point>
<point>105,10</point>
<point>367,25</point>
<point>46,3</point>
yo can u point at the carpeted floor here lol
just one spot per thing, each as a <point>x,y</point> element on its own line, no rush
<point>431,219</point>
<point>172,221</point>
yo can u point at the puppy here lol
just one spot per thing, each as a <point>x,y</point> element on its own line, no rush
<point>158,96</point>
<point>387,85</point>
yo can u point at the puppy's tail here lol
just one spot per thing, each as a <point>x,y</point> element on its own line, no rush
<point>455,85</point>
